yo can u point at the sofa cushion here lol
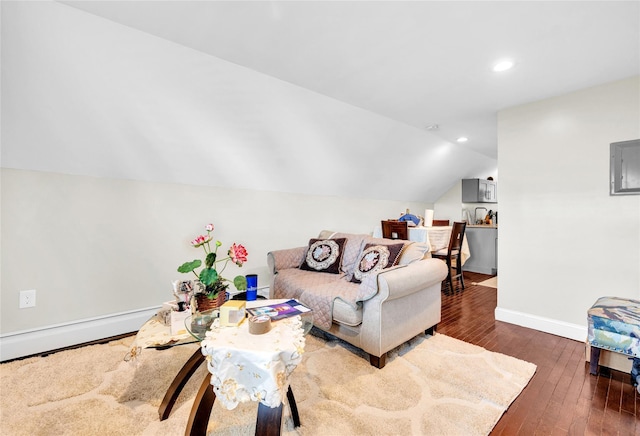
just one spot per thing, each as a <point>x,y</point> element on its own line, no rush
<point>326,234</point>
<point>374,258</point>
<point>352,250</point>
<point>324,255</point>
<point>414,252</point>
<point>344,313</point>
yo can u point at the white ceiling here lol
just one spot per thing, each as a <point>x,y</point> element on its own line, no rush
<point>418,62</point>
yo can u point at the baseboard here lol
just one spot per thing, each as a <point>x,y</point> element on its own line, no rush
<point>548,325</point>
<point>480,269</point>
<point>27,342</point>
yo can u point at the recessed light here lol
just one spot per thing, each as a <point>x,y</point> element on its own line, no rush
<point>462,139</point>
<point>503,65</point>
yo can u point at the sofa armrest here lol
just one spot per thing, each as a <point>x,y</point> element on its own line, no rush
<point>398,282</point>
<point>408,302</point>
<point>288,258</point>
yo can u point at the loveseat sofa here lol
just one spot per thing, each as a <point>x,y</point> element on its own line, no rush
<point>338,275</point>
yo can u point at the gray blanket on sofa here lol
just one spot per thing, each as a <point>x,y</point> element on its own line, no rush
<point>319,290</point>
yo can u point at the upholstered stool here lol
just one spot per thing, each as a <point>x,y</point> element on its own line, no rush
<point>614,324</point>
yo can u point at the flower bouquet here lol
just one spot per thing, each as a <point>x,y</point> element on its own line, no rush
<point>213,285</point>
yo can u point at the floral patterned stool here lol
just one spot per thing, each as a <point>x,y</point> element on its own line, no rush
<point>614,324</point>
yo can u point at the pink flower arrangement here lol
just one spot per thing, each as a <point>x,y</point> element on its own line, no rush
<point>200,240</point>
<point>209,276</point>
<point>238,254</point>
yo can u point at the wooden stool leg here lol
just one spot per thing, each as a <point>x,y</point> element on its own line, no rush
<point>595,358</point>
<point>201,409</point>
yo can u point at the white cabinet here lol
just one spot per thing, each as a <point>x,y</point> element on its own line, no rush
<point>479,191</point>
<point>483,245</point>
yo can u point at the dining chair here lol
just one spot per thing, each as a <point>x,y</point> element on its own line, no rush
<point>392,229</point>
<point>440,223</point>
<point>452,255</point>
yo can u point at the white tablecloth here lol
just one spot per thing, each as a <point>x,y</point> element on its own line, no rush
<point>246,367</point>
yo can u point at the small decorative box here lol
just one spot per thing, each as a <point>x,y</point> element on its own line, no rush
<point>232,313</point>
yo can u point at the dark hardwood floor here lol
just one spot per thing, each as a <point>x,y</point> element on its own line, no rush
<point>562,397</point>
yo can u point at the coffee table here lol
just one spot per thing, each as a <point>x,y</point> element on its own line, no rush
<point>269,419</point>
<point>197,334</point>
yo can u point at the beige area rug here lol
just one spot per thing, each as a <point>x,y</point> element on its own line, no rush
<point>492,282</point>
<point>430,386</point>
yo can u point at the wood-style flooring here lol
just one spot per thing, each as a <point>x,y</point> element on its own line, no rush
<point>562,397</point>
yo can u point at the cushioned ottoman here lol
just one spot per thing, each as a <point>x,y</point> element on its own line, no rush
<point>614,324</point>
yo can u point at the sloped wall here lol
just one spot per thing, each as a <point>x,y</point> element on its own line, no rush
<point>83,95</point>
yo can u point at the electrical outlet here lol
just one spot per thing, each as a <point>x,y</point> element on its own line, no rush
<point>27,298</point>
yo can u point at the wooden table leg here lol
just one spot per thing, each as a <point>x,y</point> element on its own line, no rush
<point>294,408</point>
<point>201,409</point>
<point>178,383</point>
<point>269,420</point>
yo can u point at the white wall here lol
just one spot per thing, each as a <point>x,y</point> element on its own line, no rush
<point>564,241</point>
<point>94,246</point>
<point>449,205</point>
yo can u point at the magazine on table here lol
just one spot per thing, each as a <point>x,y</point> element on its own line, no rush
<point>280,310</point>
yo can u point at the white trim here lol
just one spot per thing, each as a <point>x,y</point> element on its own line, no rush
<point>548,325</point>
<point>27,342</point>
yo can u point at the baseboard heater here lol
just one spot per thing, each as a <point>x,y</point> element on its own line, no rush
<point>41,340</point>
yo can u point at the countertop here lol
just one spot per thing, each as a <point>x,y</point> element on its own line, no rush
<point>482,226</point>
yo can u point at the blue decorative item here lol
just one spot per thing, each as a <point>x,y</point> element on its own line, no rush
<point>252,287</point>
<point>410,217</point>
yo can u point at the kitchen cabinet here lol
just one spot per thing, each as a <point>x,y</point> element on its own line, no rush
<point>479,191</point>
<point>483,245</point>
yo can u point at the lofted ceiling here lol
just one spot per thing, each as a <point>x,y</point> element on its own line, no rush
<point>360,99</point>
<point>422,63</point>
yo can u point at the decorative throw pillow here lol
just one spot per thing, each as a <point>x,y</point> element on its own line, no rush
<point>374,258</point>
<point>324,255</point>
<point>413,252</point>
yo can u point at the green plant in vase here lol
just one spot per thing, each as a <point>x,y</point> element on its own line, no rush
<point>210,277</point>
